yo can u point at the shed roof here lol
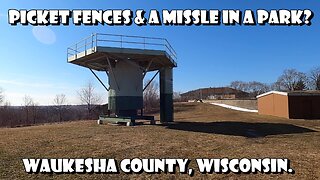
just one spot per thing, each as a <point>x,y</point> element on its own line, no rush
<point>292,93</point>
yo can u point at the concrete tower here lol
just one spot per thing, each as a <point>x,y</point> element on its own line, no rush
<point>126,60</point>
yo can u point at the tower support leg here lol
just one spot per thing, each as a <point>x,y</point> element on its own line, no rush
<point>166,95</point>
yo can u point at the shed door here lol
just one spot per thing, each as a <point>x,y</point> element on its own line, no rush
<point>300,107</point>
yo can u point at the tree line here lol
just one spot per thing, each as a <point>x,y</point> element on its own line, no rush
<point>289,80</point>
<point>31,113</point>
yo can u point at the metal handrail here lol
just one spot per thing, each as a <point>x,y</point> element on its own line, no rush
<point>93,41</point>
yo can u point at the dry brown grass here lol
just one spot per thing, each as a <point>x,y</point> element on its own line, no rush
<point>201,131</point>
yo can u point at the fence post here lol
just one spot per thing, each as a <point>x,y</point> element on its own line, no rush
<point>92,40</point>
<point>164,44</point>
<point>76,50</point>
<point>96,39</point>
<point>121,41</point>
<point>85,47</point>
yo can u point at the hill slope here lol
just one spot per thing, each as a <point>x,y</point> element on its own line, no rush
<point>201,131</point>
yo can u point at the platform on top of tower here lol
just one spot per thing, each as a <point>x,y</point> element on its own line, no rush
<point>99,51</point>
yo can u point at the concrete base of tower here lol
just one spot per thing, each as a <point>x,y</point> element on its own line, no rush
<point>166,95</point>
<point>128,121</point>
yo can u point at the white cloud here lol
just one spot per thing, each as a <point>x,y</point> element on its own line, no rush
<point>44,34</point>
<point>34,85</point>
<point>17,83</point>
<point>42,93</point>
<point>43,98</point>
<point>3,17</point>
<point>16,98</point>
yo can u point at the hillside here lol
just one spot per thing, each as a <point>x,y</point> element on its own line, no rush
<point>200,131</point>
<point>214,93</point>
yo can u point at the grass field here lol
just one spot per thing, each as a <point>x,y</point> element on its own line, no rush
<point>200,131</point>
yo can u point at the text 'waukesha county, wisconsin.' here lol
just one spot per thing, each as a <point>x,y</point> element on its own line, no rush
<point>152,166</point>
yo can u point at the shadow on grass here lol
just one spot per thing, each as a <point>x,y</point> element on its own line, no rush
<point>177,108</point>
<point>184,107</point>
<point>249,130</point>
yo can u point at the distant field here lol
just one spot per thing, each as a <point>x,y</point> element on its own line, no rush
<point>200,131</point>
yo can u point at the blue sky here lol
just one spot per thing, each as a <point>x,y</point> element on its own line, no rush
<point>208,56</point>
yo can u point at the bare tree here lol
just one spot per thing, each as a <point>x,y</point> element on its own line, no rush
<point>1,96</point>
<point>239,85</point>
<point>151,95</point>
<point>291,80</point>
<point>5,114</point>
<point>59,101</point>
<point>255,88</point>
<point>314,78</point>
<point>88,97</point>
<point>34,110</point>
<point>276,86</point>
<point>301,85</point>
<point>177,96</point>
<point>28,107</point>
<point>7,104</point>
